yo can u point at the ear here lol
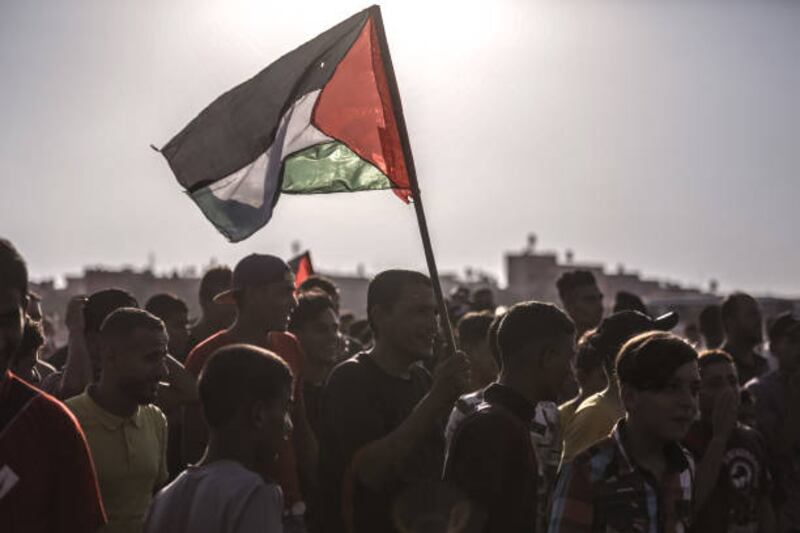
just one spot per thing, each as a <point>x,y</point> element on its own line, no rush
<point>628,396</point>
<point>258,414</point>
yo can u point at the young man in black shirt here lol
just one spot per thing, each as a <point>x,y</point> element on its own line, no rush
<point>382,413</point>
<point>496,456</point>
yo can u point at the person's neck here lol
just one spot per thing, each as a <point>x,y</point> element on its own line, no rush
<point>110,398</point>
<point>231,447</point>
<point>741,351</point>
<point>315,371</point>
<point>644,448</point>
<point>250,328</point>
<point>522,385</point>
<point>390,360</point>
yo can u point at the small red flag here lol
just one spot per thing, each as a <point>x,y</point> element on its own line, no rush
<point>302,268</point>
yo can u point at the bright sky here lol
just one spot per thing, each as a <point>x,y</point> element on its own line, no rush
<point>661,135</point>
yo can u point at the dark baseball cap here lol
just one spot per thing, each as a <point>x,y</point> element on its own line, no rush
<point>616,329</point>
<point>783,325</point>
<point>255,270</point>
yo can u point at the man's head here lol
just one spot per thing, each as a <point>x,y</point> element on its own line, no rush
<point>784,341</point>
<point>246,393</point>
<point>321,283</point>
<point>741,319</point>
<point>710,323</point>
<point>581,298</point>
<point>588,366</point>
<point>134,352</point>
<point>215,281</point>
<point>98,307</point>
<point>616,329</point>
<point>316,326</point>
<point>262,287</point>
<point>13,301</point>
<point>659,384</point>
<point>402,313</point>
<point>175,315</point>
<point>473,329</point>
<point>717,375</point>
<point>537,341</point>
<point>483,300</point>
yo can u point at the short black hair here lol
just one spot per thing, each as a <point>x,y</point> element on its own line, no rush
<point>648,361</point>
<point>102,303</point>
<point>710,317</point>
<point>310,305</point>
<point>730,305</point>
<point>165,305</point>
<point>214,281</point>
<point>387,287</point>
<point>569,281</point>
<point>13,270</point>
<point>237,375</point>
<point>531,321</point>
<point>322,283</point>
<point>473,326</point>
<point>121,323</point>
<point>713,357</point>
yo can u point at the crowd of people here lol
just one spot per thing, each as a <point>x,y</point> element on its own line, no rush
<point>275,411</point>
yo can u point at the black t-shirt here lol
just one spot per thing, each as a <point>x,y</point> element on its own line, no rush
<point>362,404</point>
<point>312,394</point>
<point>734,504</point>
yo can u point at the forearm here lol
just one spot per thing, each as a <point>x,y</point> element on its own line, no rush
<point>708,470</point>
<point>379,461</point>
<point>77,369</point>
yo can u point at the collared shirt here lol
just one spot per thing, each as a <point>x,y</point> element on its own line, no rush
<point>47,479</point>
<point>770,392</point>
<point>604,490</point>
<point>130,455</point>
<point>593,420</point>
<point>504,455</point>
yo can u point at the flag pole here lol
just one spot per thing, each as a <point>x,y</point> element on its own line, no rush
<point>375,13</point>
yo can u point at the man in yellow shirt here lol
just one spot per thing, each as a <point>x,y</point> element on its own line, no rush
<point>589,374</point>
<point>127,434</point>
<point>595,417</point>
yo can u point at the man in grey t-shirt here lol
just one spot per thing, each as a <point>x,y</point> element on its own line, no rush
<point>246,393</point>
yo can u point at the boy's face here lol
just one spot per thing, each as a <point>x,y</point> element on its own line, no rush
<point>716,379</point>
<point>668,412</point>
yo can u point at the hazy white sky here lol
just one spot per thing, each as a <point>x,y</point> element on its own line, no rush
<point>661,135</point>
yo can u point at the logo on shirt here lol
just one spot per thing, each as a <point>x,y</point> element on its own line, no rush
<point>742,468</point>
<point>8,478</point>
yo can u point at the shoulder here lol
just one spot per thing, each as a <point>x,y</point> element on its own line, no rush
<point>154,415</point>
<point>198,356</point>
<point>287,347</point>
<point>354,369</point>
<point>55,416</point>
<point>80,404</point>
<point>595,461</point>
<point>490,426</point>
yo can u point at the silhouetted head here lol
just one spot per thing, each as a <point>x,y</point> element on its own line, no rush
<point>710,323</point>
<point>659,385</point>
<point>741,319</point>
<point>134,353</point>
<point>98,307</point>
<point>13,301</point>
<point>246,393</point>
<point>215,281</point>
<point>627,301</point>
<point>784,341</point>
<point>581,298</point>
<point>316,325</point>
<point>324,284</point>
<point>473,337</point>
<point>175,315</point>
<point>402,313</point>
<point>717,375</point>
<point>537,341</point>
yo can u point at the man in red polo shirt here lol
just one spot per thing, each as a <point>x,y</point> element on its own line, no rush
<point>47,479</point>
<point>262,289</point>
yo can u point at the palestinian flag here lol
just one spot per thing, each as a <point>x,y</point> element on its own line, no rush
<point>323,118</point>
<point>302,268</point>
